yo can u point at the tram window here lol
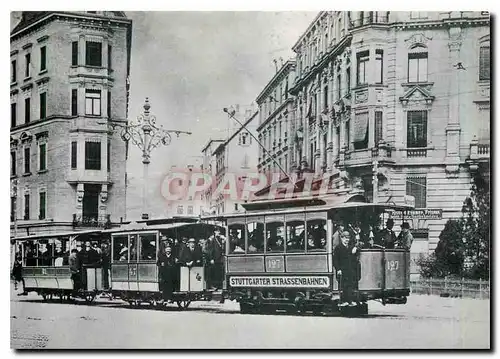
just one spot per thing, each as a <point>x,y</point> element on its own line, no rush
<point>30,254</point>
<point>255,241</point>
<point>316,235</point>
<point>148,247</point>
<point>295,231</point>
<point>275,236</point>
<point>60,252</point>
<point>44,253</point>
<point>133,248</point>
<point>237,238</point>
<point>120,249</point>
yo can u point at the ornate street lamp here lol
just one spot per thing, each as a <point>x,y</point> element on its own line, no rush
<point>146,135</point>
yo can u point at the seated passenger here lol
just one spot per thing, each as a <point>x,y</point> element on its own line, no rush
<point>276,244</point>
<point>123,254</point>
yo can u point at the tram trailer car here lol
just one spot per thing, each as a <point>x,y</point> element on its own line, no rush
<point>265,279</point>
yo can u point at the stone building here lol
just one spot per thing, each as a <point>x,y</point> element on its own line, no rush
<point>395,104</point>
<point>209,168</point>
<point>276,118</point>
<point>69,82</point>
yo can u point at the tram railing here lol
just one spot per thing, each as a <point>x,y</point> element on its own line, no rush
<point>447,287</point>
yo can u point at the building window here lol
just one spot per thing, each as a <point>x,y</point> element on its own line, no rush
<point>379,66</point>
<point>109,156</point>
<point>43,105</point>
<point>13,114</point>
<point>43,205</point>
<point>27,71</point>
<point>27,110</point>
<point>13,74</point>
<point>26,206</point>
<point>362,58</point>
<point>93,102</point>
<point>12,209</point>
<point>74,102</point>
<point>13,163</point>
<point>325,98</point>
<point>109,57</point>
<point>180,209</point>
<point>416,186</point>
<point>190,210</point>
<point>42,156</point>
<point>74,53</point>
<point>360,131</point>
<point>92,155</point>
<point>109,105</point>
<point>484,63</point>
<point>417,129</point>
<point>43,58</point>
<point>27,160</point>
<point>339,86</point>
<point>378,127</point>
<point>348,80</point>
<point>73,154</point>
<point>417,65</point>
<point>93,54</point>
<point>347,134</point>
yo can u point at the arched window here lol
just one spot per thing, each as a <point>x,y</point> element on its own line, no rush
<point>417,64</point>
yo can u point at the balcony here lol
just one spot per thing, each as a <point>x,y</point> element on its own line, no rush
<point>88,176</point>
<point>366,156</point>
<point>416,152</point>
<point>103,221</point>
<point>479,151</point>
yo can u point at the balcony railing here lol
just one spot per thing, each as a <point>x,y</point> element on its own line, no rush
<point>417,152</point>
<point>103,221</point>
<point>483,150</point>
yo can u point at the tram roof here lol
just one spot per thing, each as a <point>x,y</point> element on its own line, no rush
<point>139,227</point>
<point>306,205</point>
<point>56,234</point>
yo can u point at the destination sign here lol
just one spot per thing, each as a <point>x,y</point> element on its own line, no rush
<point>281,281</point>
<point>418,214</point>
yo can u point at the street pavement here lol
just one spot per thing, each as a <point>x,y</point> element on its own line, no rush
<point>425,322</point>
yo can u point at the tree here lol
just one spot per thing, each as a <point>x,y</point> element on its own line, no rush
<point>476,222</point>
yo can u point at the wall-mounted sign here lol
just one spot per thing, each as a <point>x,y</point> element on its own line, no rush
<point>418,214</point>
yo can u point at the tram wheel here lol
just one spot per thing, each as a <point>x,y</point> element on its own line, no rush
<point>89,298</point>
<point>183,304</point>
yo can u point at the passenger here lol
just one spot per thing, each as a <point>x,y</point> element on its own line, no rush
<point>192,256</point>
<point>123,254</point>
<point>310,242</point>
<point>238,247</point>
<point>336,236</point>
<point>388,237</point>
<point>59,257</point>
<point>106,264</point>
<point>167,271</point>
<point>276,244</point>
<point>74,267</point>
<point>17,273</point>
<point>345,261</point>
<point>214,252</point>
<point>233,240</point>
<point>405,239</point>
<point>90,257</point>
<point>30,257</point>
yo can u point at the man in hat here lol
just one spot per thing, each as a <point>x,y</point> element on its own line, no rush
<point>214,252</point>
<point>387,235</point>
<point>345,261</point>
<point>192,256</point>
<point>405,239</point>
<point>166,270</point>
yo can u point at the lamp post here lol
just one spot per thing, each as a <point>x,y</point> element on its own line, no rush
<point>146,135</point>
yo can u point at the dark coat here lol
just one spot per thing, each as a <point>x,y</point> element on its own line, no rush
<point>214,250</point>
<point>347,262</point>
<point>195,256</point>
<point>17,271</point>
<point>387,238</point>
<point>166,267</point>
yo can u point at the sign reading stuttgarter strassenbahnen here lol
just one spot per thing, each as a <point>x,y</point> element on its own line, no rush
<point>281,281</point>
<point>418,214</point>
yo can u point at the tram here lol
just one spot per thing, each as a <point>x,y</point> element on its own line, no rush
<point>279,256</point>
<point>46,269</point>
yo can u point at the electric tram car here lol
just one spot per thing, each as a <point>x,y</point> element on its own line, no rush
<point>279,255</point>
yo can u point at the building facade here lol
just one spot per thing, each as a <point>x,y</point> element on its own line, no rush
<point>209,168</point>
<point>276,122</point>
<point>69,82</point>
<point>235,158</point>
<point>391,105</point>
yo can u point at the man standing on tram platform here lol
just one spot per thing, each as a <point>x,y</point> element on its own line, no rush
<point>388,237</point>
<point>345,261</point>
<point>405,238</point>
<point>214,259</point>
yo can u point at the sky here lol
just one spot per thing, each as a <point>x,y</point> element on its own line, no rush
<point>193,64</point>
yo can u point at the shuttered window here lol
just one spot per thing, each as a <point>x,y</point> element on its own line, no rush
<point>27,160</point>
<point>43,58</point>
<point>378,127</point>
<point>43,205</point>
<point>43,105</point>
<point>74,102</point>
<point>74,53</point>
<point>484,63</point>
<point>42,159</point>
<point>416,186</point>
<point>26,206</point>
<point>73,155</point>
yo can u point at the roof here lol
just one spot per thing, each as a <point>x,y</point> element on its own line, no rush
<point>209,142</point>
<point>136,227</point>
<point>57,234</point>
<point>30,17</point>
<point>222,145</point>
<point>286,68</point>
